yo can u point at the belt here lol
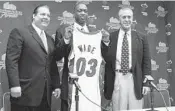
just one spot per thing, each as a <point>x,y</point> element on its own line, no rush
<point>121,71</point>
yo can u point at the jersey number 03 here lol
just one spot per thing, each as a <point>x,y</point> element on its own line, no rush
<point>81,66</point>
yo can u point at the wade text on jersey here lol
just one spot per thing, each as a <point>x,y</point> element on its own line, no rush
<point>86,48</point>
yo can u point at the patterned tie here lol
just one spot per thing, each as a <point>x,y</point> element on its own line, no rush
<point>44,40</point>
<point>125,55</point>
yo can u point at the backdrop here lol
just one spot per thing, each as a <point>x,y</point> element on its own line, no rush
<point>153,18</point>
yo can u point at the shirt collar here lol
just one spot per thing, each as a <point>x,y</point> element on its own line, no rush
<point>123,32</point>
<point>38,30</point>
<point>76,25</point>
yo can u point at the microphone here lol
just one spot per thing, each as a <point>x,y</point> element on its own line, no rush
<point>74,78</point>
<point>76,84</point>
<point>150,79</point>
<point>154,86</point>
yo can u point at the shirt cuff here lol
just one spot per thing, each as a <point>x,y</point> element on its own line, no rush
<point>106,43</point>
<point>15,88</point>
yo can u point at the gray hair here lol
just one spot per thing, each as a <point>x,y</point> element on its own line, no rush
<point>122,9</point>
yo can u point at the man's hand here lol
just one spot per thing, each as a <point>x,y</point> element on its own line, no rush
<point>57,92</point>
<point>15,92</point>
<point>68,32</point>
<point>105,36</point>
<point>145,90</point>
<point>73,76</point>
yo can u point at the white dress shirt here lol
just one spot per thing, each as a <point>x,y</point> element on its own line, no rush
<point>119,48</point>
<point>43,38</point>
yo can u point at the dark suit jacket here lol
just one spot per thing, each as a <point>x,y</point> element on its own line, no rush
<point>29,65</point>
<point>141,63</point>
<point>63,50</point>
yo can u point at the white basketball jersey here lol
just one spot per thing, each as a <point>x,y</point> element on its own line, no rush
<point>87,62</point>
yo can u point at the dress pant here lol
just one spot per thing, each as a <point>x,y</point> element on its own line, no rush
<point>64,105</point>
<point>123,97</point>
<point>44,106</point>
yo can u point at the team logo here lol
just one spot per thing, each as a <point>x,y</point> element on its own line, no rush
<point>91,20</point>
<point>169,62</point>
<point>168,28</point>
<point>126,4</point>
<point>161,48</point>
<point>168,33</point>
<point>113,23</point>
<point>162,85</point>
<point>2,62</point>
<point>67,18</point>
<point>144,7</point>
<point>168,25</point>
<point>161,12</point>
<point>105,5</point>
<point>9,10</point>
<point>154,66</point>
<point>151,28</point>
<point>169,69</point>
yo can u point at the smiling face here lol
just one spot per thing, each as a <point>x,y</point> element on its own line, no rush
<point>42,17</point>
<point>126,18</point>
<point>81,13</point>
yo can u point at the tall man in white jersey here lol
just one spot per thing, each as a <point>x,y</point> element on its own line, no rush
<point>64,44</point>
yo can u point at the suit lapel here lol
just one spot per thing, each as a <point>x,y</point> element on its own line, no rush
<point>49,43</point>
<point>134,47</point>
<point>36,37</point>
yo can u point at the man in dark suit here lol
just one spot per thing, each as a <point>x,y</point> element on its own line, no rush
<point>63,47</point>
<point>127,63</point>
<point>31,65</point>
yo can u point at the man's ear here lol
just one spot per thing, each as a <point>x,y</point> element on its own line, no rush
<point>33,16</point>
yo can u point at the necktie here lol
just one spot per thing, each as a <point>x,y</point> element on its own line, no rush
<point>125,55</point>
<point>44,40</point>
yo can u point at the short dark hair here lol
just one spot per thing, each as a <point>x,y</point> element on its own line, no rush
<point>35,11</point>
<point>77,4</point>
